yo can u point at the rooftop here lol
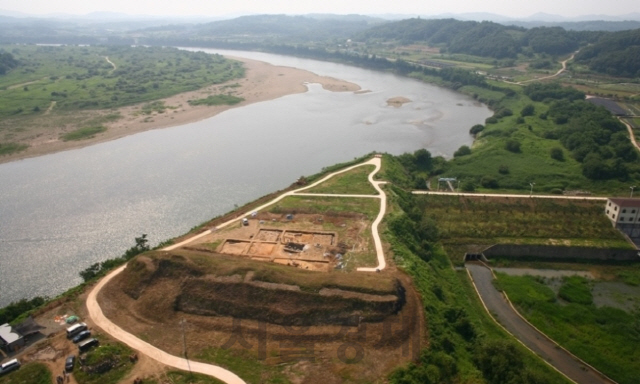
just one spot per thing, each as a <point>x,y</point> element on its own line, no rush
<point>625,202</point>
<point>7,334</point>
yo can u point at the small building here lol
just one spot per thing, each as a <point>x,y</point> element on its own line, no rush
<point>10,340</point>
<point>624,214</point>
<point>623,211</point>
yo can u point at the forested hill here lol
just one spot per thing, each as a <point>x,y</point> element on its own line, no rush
<point>616,54</point>
<point>292,28</point>
<point>480,38</point>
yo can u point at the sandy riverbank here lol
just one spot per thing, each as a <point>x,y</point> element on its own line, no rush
<point>262,82</point>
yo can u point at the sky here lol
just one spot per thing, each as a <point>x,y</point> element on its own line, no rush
<point>512,8</point>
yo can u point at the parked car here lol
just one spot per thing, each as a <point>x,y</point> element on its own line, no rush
<point>87,345</point>
<point>9,366</point>
<point>81,336</point>
<point>71,361</point>
<point>73,330</point>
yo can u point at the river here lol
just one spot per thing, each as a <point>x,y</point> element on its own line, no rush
<point>62,212</point>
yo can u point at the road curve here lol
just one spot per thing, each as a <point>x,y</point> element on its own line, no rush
<point>502,311</point>
<point>376,161</point>
<point>100,320</point>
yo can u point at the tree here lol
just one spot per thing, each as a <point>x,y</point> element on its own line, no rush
<point>462,151</point>
<point>424,162</point>
<point>512,145</point>
<point>557,154</point>
<point>528,110</point>
<point>476,129</point>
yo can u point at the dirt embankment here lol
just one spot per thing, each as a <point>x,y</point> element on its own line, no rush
<point>262,82</point>
<point>270,313</point>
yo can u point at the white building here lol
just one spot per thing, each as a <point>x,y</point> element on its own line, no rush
<point>623,211</point>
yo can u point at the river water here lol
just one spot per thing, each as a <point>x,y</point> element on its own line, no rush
<point>62,212</point>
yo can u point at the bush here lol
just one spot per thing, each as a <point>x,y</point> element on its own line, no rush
<point>489,182</point>
<point>462,151</point>
<point>476,129</point>
<point>503,169</point>
<point>468,186</point>
<point>512,145</point>
<point>557,154</point>
<point>491,120</point>
<point>528,110</point>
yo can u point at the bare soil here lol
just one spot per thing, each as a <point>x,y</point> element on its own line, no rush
<point>263,82</point>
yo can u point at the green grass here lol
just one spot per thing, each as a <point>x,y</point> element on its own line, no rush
<point>80,78</point>
<point>107,351</point>
<point>328,205</point>
<point>245,365</point>
<point>476,220</point>
<point>182,377</point>
<point>605,337</point>
<point>354,182</point>
<point>576,289</point>
<point>217,100</point>
<point>32,373</point>
<point>83,133</point>
<point>9,148</point>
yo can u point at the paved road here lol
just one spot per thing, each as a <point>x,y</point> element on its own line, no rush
<point>498,306</point>
<point>95,313</point>
<point>376,161</point>
<point>595,198</point>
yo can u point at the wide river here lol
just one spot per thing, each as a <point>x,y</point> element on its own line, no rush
<point>61,213</point>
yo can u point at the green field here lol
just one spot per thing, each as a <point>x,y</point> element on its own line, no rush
<point>603,336</point>
<point>32,373</point>
<point>354,182</point>
<point>78,78</point>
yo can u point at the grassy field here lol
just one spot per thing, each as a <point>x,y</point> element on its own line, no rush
<point>108,352</point>
<point>32,373</point>
<point>604,337</point>
<point>81,77</point>
<point>327,205</point>
<point>354,182</point>
<point>475,221</point>
<point>245,365</point>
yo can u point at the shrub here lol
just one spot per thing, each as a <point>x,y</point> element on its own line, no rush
<point>503,169</point>
<point>468,186</point>
<point>476,129</point>
<point>491,120</point>
<point>512,145</point>
<point>462,151</point>
<point>528,110</point>
<point>489,182</point>
<point>557,154</point>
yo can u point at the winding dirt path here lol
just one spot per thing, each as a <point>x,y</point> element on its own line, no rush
<point>376,161</point>
<point>100,320</point>
<point>632,136</point>
<point>564,68</point>
<point>112,64</point>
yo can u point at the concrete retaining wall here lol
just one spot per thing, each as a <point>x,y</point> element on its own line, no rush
<point>560,253</point>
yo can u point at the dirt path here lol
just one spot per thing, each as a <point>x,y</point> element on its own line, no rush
<point>95,312</point>
<point>564,68</point>
<point>48,111</point>
<point>503,312</point>
<point>112,64</point>
<point>632,136</point>
<point>376,161</point>
<point>100,320</point>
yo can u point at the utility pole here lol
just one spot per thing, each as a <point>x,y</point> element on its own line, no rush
<point>531,192</point>
<point>632,188</point>
<point>184,344</point>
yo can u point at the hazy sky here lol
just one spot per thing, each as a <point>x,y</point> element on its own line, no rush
<point>514,8</point>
